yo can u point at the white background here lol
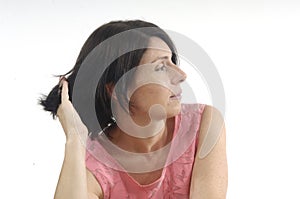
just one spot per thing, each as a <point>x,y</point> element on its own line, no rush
<point>254,45</point>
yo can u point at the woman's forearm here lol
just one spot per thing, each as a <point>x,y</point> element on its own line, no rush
<point>72,181</point>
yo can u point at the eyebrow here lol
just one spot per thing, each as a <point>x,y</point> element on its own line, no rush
<point>164,57</point>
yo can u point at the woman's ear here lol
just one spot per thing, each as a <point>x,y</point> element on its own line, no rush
<point>110,90</point>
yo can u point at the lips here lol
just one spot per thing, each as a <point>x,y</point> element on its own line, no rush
<point>177,96</point>
<point>177,93</point>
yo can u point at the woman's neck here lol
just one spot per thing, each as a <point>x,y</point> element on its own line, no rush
<point>126,141</point>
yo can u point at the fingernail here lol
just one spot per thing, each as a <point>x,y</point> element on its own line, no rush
<point>61,79</point>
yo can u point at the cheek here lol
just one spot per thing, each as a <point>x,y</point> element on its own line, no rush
<point>151,95</point>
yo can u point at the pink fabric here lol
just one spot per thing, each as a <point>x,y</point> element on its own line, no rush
<point>175,179</point>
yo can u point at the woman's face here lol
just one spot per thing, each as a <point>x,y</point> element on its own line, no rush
<point>156,81</point>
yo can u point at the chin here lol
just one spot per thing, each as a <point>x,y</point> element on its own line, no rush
<point>173,110</point>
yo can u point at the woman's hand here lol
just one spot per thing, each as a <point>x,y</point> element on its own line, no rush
<point>73,182</point>
<point>69,118</point>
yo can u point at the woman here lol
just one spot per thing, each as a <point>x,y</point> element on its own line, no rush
<point>149,145</point>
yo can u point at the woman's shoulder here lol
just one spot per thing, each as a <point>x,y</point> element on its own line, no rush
<point>212,126</point>
<point>211,113</point>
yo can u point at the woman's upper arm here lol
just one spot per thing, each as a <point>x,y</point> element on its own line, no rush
<point>94,189</point>
<point>210,171</point>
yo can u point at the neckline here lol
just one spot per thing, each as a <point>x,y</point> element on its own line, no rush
<point>152,184</point>
<point>97,150</point>
<point>180,132</point>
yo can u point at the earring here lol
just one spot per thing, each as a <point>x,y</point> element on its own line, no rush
<point>108,125</point>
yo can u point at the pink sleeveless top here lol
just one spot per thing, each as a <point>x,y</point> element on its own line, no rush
<point>176,174</point>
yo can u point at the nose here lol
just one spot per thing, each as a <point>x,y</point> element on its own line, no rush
<point>177,75</point>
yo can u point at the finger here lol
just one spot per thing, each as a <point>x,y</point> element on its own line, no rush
<point>61,79</point>
<point>65,91</point>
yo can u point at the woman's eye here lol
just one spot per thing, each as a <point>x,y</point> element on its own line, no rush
<point>161,67</point>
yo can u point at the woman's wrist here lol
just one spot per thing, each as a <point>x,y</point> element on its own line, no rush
<point>73,135</point>
<point>76,141</point>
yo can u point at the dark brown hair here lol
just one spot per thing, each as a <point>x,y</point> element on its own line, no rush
<point>114,71</point>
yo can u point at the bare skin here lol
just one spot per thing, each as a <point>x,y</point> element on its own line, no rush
<point>75,180</point>
<point>151,94</point>
<point>209,178</point>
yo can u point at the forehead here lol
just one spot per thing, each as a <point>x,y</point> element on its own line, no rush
<point>156,48</point>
